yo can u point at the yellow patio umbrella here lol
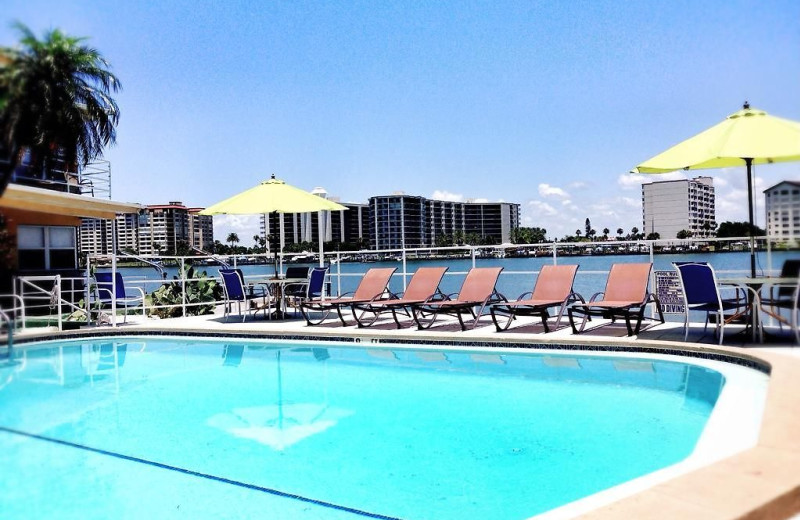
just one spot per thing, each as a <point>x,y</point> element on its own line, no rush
<point>747,137</point>
<point>275,196</point>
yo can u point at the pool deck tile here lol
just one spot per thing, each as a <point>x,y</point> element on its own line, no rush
<point>669,508</point>
<point>759,483</point>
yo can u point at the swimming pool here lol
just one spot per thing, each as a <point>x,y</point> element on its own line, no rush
<point>132,427</point>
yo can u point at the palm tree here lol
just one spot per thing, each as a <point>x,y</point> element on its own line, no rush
<point>55,101</point>
<point>606,231</point>
<point>620,231</point>
<point>233,238</point>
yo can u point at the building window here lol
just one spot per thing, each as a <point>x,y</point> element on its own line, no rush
<point>46,247</point>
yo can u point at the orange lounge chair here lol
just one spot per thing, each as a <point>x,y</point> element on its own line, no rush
<point>553,289</point>
<point>371,288</point>
<point>626,296</point>
<point>424,285</point>
<point>478,290</point>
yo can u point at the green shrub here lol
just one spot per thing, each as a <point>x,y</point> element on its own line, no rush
<point>200,288</point>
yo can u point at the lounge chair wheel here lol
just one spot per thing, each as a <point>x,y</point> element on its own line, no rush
<point>424,318</point>
<point>315,316</point>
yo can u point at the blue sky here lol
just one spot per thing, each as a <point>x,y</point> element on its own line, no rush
<point>547,104</point>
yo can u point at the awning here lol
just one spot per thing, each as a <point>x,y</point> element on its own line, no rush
<point>53,202</point>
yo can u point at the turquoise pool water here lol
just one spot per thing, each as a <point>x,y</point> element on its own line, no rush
<point>164,428</point>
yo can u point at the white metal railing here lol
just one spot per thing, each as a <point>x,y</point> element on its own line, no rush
<point>556,251</point>
<point>30,290</point>
<point>93,179</point>
<point>15,311</point>
<point>10,324</point>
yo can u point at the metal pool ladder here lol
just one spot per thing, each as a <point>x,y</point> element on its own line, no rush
<point>10,324</point>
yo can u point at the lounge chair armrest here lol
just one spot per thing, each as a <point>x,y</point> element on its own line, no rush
<point>524,295</point>
<point>264,287</point>
<point>438,297</point>
<point>575,297</point>
<point>496,297</point>
<point>595,296</point>
<point>139,289</point>
<point>385,295</point>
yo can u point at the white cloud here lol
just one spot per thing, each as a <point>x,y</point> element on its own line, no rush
<point>446,195</point>
<point>545,190</point>
<point>578,185</point>
<point>542,208</point>
<point>634,181</point>
<point>237,222</point>
<point>245,226</point>
<point>631,202</point>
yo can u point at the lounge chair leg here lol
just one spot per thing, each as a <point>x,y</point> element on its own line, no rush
<point>544,315</point>
<point>571,317</point>
<point>686,326</point>
<point>460,321</point>
<point>628,323</point>
<point>394,316</point>
<point>341,316</point>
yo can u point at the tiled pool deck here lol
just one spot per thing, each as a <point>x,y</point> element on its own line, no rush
<point>759,483</point>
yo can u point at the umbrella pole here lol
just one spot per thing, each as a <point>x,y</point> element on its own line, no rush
<point>282,240</point>
<point>749,163</point>
<point>320,236</point>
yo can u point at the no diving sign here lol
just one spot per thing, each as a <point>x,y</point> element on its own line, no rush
<point>668,290</point>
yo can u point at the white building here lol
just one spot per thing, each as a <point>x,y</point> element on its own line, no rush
<point>157,229</point>
<point>95,234</point>
<point>669,207</point>
<point>783,210</point>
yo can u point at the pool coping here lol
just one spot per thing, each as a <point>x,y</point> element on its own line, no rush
<point>761,482</point>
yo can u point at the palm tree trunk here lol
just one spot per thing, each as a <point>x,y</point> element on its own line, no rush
<point>7,165</point>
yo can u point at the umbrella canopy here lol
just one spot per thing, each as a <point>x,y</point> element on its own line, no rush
<point>274,196</point>
<point>747,137</point>
<point>748,133</point>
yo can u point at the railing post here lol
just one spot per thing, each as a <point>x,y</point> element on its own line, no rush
<point>472,252</point>
<point>57,290</point>
<point>652,277</point>
<point>87,291</point>
<point>183,286</point>
<point>555,254</point>
<point>338,274</point>
<point>405,272</point>
<point>769,255</point>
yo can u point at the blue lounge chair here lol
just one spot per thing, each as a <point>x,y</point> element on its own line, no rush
<point>235,292</point>
<point>777,300</point>
<point>701,293</point>
<point>105,293</point>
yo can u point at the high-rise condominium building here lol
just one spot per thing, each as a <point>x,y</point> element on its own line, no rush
<point>783,210</point>
<point>669,207</point>
<point>408,221</point>
<point>349,226</point>
<point>158,229</point>
<point>96,234</point>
